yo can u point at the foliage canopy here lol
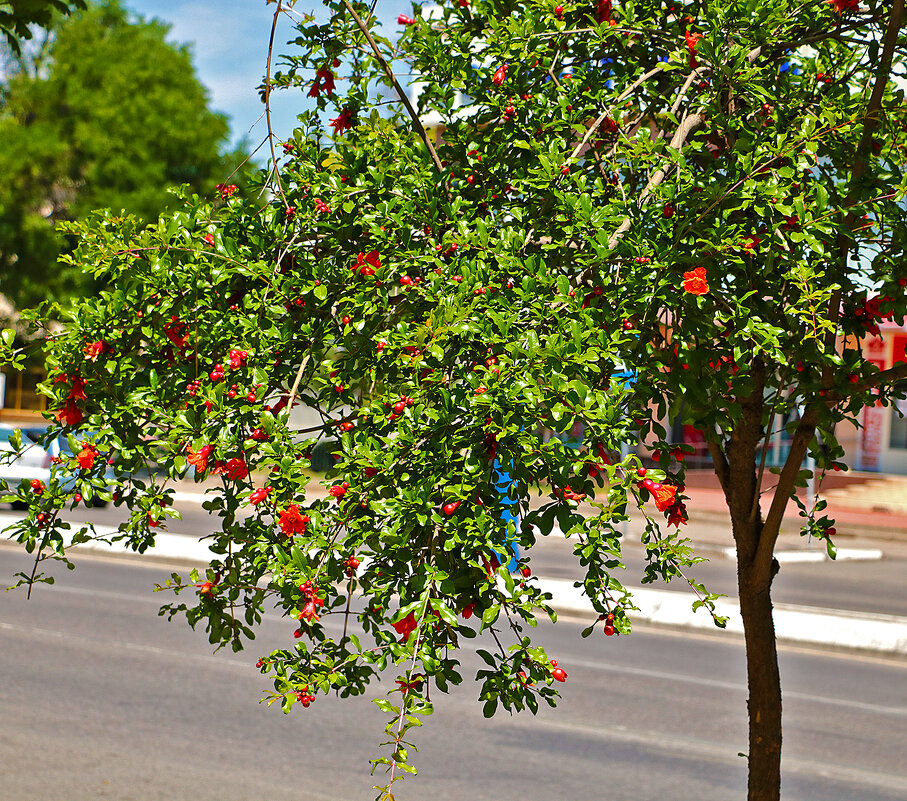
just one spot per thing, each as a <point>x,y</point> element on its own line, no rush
<point>708,196</point>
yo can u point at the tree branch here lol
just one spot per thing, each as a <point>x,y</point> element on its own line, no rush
<point>783,489</point>
<point>718,460</point>
<point>860,162</point>
<point>608,112</point>
<point>401,92</point>
<point>268,104</point>
<point>686,127</point>
<point>807,427</point>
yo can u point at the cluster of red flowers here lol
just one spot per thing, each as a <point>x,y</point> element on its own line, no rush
<point>70,414</point>
<point>259,495</point>
<point>236,469</point>
<point>665,497</point>
<point>237,358</point>
<point>692,40</point>
<point>844,5</point>
<point>338,490</point>
<point>305,697</point>
<point>871,311</point>
<point>414,683</point>
<point>176,332</point>
<point>603,11</point>
<point>226,190</point>
<point>321,207</point>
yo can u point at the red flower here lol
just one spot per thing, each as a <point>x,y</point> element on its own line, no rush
<point>664,496</point>
<point>174,331</point>
<point>468,610</point>
<point>199,459</point>
<point>342,122</point>
<point>226,190</point>
<point>603,10</point>
<point>70,414</point>
<point>677,514</point>
<point>406,626</point>
<point>844,5</point>
<point>86,457</point>
<point>324,83</point>
<point>209,240</point>
<point>236,469</point>
<point>695,282</point>
<point>692,40</point>
<point>93,350</point>
<point>404,20</point>
<point>415,683</point>
<point>751,242</point>
<point>367,263</point>
<point>292,521</point>
<point>500,74</point>
<point>308,611</point>
<point>77,389</point>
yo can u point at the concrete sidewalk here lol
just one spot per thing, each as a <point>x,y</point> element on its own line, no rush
<point>831,628</point>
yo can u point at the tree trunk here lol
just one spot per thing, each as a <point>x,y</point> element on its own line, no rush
<point>736,467</point>
<point>764,685</point>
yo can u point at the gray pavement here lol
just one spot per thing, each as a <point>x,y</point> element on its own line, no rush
<point>859,604</point>
<point>102,699</point>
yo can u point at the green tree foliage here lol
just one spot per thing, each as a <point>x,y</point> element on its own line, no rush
<point>112,117</point>
<point>19,17</point>
<point>709,194</point>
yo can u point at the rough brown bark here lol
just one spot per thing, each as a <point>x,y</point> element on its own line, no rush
<point>735,463</point>
<point>763,676</point>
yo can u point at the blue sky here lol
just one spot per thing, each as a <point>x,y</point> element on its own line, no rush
<point>229,41</point>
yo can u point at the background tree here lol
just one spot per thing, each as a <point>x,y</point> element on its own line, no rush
<point>706,194</point>
<point>105,114</point>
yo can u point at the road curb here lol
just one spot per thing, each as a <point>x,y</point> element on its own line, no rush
<point>838,628</point>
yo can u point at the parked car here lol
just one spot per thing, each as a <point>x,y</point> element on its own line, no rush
<point>34,462</point>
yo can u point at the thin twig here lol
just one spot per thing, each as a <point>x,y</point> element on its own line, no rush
<point>401,92</point>
<point>268,103</point>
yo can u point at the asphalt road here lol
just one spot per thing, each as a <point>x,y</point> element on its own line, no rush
<point>863,586</point>
<point>102,699</point>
